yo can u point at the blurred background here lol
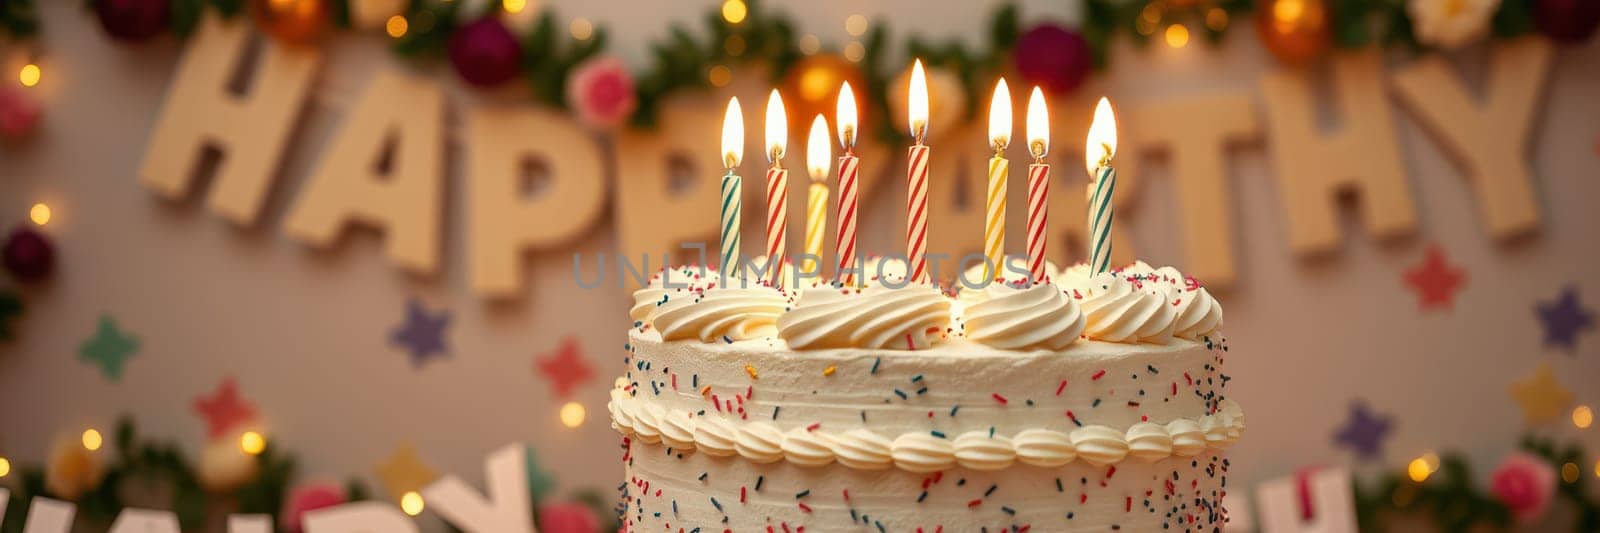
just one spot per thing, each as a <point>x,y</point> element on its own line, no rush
<point>374,284</point>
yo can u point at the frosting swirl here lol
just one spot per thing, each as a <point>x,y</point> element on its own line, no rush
<point>735,313</point>
<point>1117,311</point>
<point>980,450</point>
<point>806,448</point>
<point>863,450</point>
<point>1099,445</point>
<point>760,442</point>
<point>922,453</point>
<point>877,318</point>
<point>1149,442</point>
<point>687,282</point>
<point>1042,447</point>
<point>1199,314</point>
<point>1032,318</point>
<point>714,436</point>
<point>647,423</point>
<point>1187,439</point>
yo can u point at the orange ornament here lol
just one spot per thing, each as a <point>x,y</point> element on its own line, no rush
<point>1296,31</point>
<point>811,87</point>
<point>292,21</point>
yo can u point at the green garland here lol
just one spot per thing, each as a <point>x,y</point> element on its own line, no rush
<point>1455,504</point>
<point>18,19</point>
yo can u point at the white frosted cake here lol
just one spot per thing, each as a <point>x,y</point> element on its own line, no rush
<point>1085,404</point>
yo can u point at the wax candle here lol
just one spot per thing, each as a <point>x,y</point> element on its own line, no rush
<point>1038,186</point>
<point>917,178</point>
<point>1098,149</point>
<point>817,155</point>
<point>777,188</point>
<point>845,251</point>
<point>732,151</point>
<point>994,228</point>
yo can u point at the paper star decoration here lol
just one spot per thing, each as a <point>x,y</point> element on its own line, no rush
<point>1541,397</point>
<point>224,410</point>
<point>422,334</point>
<point>404,472</point>
<point>109,348</point>
<point>565,368</point>
<point>1563,319</point>
<point>1435,280</point>
<point>1364,431</point>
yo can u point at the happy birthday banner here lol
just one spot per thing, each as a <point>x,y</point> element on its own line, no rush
<point>399,119</point>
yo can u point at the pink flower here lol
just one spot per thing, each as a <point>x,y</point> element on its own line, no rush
<point>19,113</point>
<point>1525,484</point>
<point>569,517</point>
<point>307,497</point>
<point>600,91</point>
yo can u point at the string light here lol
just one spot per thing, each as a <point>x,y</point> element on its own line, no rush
<point>1582,416</point>
<point>5,467</point>
<point>719,75</point>
<point>855,25</point>
<point>1217,19</point>
<point>40,214</point>
<point>396,26</point>
<point>581,29</point>
<point>572,414</point>
<point>411,503</point>
<point>514,6</point>
<point>1177,35</point>
<point>29,75</point>
<point>1569,472</point>
<point>92,439</point>
<point>1422,467</point>
<point>734,11</point>
<point>855,51</point>
<point>810,44</point>
<point>734,44</point>
<point>252,443</point>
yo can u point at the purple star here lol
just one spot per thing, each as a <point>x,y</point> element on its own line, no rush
<point>1364,431</point>
<point>1563,319</point>
<point>422,334</point>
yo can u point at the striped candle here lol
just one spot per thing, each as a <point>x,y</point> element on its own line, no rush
<point>816,223</point>
<point>846,247</point>
<point>917,213</point>
<point>731,205</point>
<point>1038,220</point>
<point>1100,215</point>
<point>777,189</point>
<point>994,229</point>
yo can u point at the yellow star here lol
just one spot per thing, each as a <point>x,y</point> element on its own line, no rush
<point>1541,397</point>
<point>404,472</point>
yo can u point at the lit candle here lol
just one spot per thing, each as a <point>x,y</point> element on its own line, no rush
<point>994,228</point>
<point>777,188</point>
<point>817,155</point>
<point>1038,186</point>
<point>917,177</point>
<point>1097,151</point>
<point>845,252</point>
<point>732,151</point>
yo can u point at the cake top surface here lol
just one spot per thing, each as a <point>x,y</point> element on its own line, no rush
<point>1135,304</point>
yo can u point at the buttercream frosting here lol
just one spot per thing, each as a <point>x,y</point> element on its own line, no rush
<point>878,317</point>
<point>1040,317</point>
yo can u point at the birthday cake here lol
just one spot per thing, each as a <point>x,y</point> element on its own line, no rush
<point>1089,403</point>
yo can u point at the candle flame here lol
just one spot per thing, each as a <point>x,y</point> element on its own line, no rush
<point>777,128</point>
<point>732,134</point>
<point>1000,117</point>
<point>1102,141</point>
<point>817,150</point>
<point>917,102</point>
<point>1038,125</point>
<point>846,117</point>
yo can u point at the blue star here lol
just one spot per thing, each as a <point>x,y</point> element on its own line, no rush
<point>1364,432</point>
<point>1563,319</point>
<point>422,334</point>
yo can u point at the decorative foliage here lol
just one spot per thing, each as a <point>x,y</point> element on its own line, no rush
<point>1295,31</point>
<point>600,92</point>
<point>1053,57</point>
<point>109,348</point>
<point>29,255</point>
<point>1525,484</point>
<point>19,113</point>
<point>485,53</point>
<point>10,308</point>
<point>135,20</point>
<point>18,18</point>
<point>292,21</point>
<point>1451,24</point>
<point>1567,21</point>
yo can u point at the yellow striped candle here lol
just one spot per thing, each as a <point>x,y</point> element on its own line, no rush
<point>1098,149</point>
<point>994,228</point>
<point>732,151</point>
<point>777,189</point>
<point>817,155</point>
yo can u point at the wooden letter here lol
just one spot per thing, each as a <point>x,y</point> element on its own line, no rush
<point>1195,132</point>
<point>502,221</point>
<point>1311,167</point>
<point>507,508</point>
<point>132,520</point>
<point>49,516</point>
<point>359,517</point>
<point>667,184</point>
<point>250,130</point>
<point>1488,136</point>
<point>350,185</point>
<point>1331,500</point>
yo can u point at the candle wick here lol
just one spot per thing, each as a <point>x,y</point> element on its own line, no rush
<point>1105,160</point>
<point>777,158</point>
<point>919,131</point>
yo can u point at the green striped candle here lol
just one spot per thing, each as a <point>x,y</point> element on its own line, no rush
<point>732,193</point>
<point>1098,148</point>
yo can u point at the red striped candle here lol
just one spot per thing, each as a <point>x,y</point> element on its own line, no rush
<point>1038,220</point>
<point>846,251</point>
<point>917,213</point>
<point>777,222</point>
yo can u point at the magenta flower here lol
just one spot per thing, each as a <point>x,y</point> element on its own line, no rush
<point>307,497</point>
<point>19,113</point>
<point>1525,484</point>
<point>568,517</point>
<point>600,91</point>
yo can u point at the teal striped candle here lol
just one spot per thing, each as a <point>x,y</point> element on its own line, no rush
<point>1100,215</point>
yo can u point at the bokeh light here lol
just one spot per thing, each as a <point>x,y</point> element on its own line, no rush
<point>252,443</point>
<point>734,11</point>
<point>40,214</point>
<point>92,439</point>
<point>397,26</point>
<point>29,75</point>
<point>581,29</point>
<point>572,414</point>
<point>411,503</point>
<point>1177,35</point>
<point>1582,416</point>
